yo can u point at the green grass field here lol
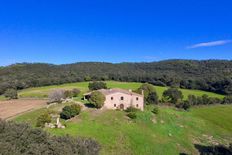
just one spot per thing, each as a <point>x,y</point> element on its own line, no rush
<point>42,92</point>
<point>174,132</point>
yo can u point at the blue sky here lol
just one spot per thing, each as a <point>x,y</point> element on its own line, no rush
<point>69,31</point>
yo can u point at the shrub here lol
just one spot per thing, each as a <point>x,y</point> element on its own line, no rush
<point>18,138</point>
<point>132,115</point>
<point>227,100</point>
<point>75,92</point>
<point>184,105</point>
<point>11,94</point>
<point>70,111</point>
<point>152,98</point>
<point>131,109</point>
<point>56,96</point>
<point>155,110</point>
<point>96,85</point>
<point>173,95</point>
<point>97,99</point>
<point>42,119</point>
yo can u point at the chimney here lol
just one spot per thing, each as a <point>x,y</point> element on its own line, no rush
<point>143,92</point>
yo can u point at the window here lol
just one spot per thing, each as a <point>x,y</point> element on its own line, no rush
<point>112,98</point>
<point>137,98</point>
<point>137,105</point>
<point>122,98</point>
<point>115,105</point>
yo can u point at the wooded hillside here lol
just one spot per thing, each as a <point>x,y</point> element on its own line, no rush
<point>210,75</point>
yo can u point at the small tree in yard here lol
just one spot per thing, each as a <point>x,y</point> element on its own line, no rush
<point>97,99</point>
<point>42,119</point>
<point>152,98</point>
<point>146,88</point>
<point>56,95</point>
<point>11,94</point>
<point>96,85</point>
<point>70,111</point>
<point>173,95</point>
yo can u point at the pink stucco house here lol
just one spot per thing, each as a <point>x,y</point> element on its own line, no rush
<point>121,99</point>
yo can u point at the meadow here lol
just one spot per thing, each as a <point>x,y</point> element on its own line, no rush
<point>170,132</point>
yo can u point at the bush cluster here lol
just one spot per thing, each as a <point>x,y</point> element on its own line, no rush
<point>96,85</point>
<point>70,111</point>
<point>18,138</point>
<point>97,99</point>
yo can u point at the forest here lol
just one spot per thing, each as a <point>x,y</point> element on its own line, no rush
<point>209,75</point>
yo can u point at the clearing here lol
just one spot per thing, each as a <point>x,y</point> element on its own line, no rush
<point>12,108</point>
<point>42,92</point>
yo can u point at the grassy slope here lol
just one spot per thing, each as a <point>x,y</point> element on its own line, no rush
<point>83,86</point>
<point>118,135</point>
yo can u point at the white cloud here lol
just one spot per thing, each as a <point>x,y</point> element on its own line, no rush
<point>210,44</point>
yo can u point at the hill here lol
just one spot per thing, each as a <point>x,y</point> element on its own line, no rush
<point>210,75</point>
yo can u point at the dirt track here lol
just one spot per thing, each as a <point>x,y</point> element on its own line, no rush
<point>14,107</point>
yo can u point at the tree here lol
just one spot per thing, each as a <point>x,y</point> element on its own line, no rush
<point>152,98</point>
<point>56,95</point>
<point>42,119</point>
<point>97,99</point>
<point>146,88</point>
<point>11,94</point>
<point>96,85</point>
<point>70,111</point>
<point>173,95</point>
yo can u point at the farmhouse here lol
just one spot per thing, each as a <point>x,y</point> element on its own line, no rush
<point>120,99</point>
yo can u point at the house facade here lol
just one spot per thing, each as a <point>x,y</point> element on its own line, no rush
<point>121,99</point>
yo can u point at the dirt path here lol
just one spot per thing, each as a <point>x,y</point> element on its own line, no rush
<point>14,107</point>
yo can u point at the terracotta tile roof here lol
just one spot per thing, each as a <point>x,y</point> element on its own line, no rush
<point>116,90</point>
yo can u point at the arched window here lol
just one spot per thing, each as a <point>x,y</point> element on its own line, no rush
<point>137,105</point>
<point>122,98</point>
<point>112,98</point>
<point>115,105</point>
<point>137,98</point>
